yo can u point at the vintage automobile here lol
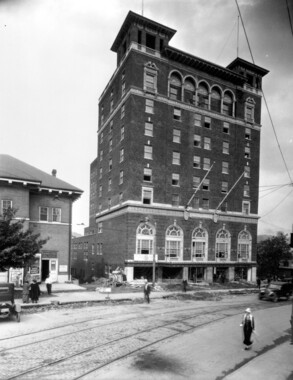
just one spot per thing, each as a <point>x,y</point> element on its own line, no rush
<point>276,290</point>
<point>7,305</point>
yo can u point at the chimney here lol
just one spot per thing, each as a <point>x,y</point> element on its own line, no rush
<point>54,172</point>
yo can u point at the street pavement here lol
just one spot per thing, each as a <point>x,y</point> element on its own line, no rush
<point>275,364</point>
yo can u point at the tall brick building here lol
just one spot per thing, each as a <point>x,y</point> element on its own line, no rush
<point>177,168</point>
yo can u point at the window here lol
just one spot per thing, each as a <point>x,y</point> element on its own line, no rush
<point>205,204</point>
<point>244,245</point>
<point>199,243</point>
<point>175,200</point>
<point>101,173</point>
<point>175,179</point>
<point>122,131</point>
<point>189,91</point>
<point>93,249</point>
<point>149,106</point>
<point>247,171</point>
<point>176,136</point>
<point>203,96</point>
<point>225,167</point>
<point>150,81</point>
<point>6,204</point>
<point>147,196</point>
<point>56,214</point>
<point>176,158</point>
<point>109,202</point>
<point>44,214</point>
<point>225,147</point>
<point>246,207</point>
<point>121,155</point>
<point>122,111</point>
<point>216,100</point>
<point>147,174</point>
<point>120,197</point>
<point>195,181</point>
<point>109,184</point>
<point>246,191</point>
<point>224,187</point>
<point>195,203</point>
<point>148,129</point>
<point>111,105</point>
<point>247,134</point>
<point>196,162</point>
<point>175,87</point>
<point>223,243</point>
<point>197,120</point>
<point>123,83</point>
<point>224,207</point>
<point>197,141</point>
<point>226,128</point>
<point>207,143</point>
<point>110,164</point>
<point>247,152</point>
<point>228,104</point>
<point>144,239</point>
<point>101,155</point>
<point>206,163</point>
<point>100,227</point>
<point>207,122</point>
<point>101,137</point>
<point>177,114</point>
<point>174,243</point>
<point>121,177</point>
<point>206,185</point>
<point>249,110</point>
<point>100,191</point>
<point>148,152</point>
<point>102,114</point>
<point>110,145</point>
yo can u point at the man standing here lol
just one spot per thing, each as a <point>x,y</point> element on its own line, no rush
<point>147,291</point>
<point>48,283</point>
<point>248,327</point>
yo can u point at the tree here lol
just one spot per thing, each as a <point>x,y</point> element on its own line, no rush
<point>17,245</point>
<point>269,254</point>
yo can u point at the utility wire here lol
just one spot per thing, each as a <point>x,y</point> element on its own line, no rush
<point>289,16</point>
<point>278,204</point>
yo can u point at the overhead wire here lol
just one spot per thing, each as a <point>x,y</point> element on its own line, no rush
<point>290,22</point>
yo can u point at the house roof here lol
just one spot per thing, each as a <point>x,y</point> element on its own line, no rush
<point>14,170</point>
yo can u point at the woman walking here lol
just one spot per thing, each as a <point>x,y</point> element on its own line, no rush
<point>248,327</point>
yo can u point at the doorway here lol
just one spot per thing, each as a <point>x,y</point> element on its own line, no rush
<point>45,269</point>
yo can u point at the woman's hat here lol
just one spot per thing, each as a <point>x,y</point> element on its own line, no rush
<point>248,310</point>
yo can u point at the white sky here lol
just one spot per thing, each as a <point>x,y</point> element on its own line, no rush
<point>55,61</point>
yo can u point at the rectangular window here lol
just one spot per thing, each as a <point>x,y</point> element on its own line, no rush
<point>147,196</point>
<point>148,152</point>
<point>247,171</point>
<point>120,197</point>
<point>206,185</point>
<point>109,184</point>
<point>175,92</point>
<point>101,173</point>
<point>110,145</point>
<point>196,162</point>
<point>93,249</point>
<point>195,181</point>
<point>175,200</point>
<point>122,111</point>
<point>224,207</point>
<point>175,179</point>
<point>44,214</point>
<point>121,155</point>
<point>123,88</point>
<point>6,204</point>
<point>100,191</point>
<point>122,131</point>
<point>225,167</point>
<point>111,105</point>
<point>148,129</point>
<point>101,155</point>
<point>247,152</point>
<point>226,127</point>
<point>121,177</point>
<point>205,203</point>
<point>207,122</point>
<point>197,120</point>
<point>147,174</point>
<point>207,143</point>
<point>177,114</point>
<point>176,136</point>
<point>56,214</point>
<point>225,147</point>
<point>247,134</point>
<point>206,163</point>
<point>176,158</point>
<point>197,141</point>
<point>249,113</point>
<point>100,227</point>
<point>195,203</point>
<point>101,137</point>
<point>150,81</point>
<point>246,191</point>
<point>246,207</point>
<point>109,203</point>
<point>110,164</point>
<point>149,106</point>
<point>224,187</point>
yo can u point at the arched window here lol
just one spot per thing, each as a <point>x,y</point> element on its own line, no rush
<point>223,244</point>
<point>199,244</point>
<point>203,96</point>
<point>216,100</point>
<point>174,243</point>
<point>189,91</point>
<point>244,245</point>
<point>228,104</point>
<point>175,91</point>
<point>145,239</point>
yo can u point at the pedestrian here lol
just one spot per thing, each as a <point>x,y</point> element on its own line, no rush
<point>147,291</point>
<point>248,327</point>
<point>258,281</point>
<point>184,285</point>
<point>25,292</point>
<point>48,283</point>
<point>34,291</point>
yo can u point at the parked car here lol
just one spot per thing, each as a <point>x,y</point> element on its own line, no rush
<point>276,290</point>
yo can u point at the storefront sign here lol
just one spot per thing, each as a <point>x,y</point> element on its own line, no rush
<point>62,268</point>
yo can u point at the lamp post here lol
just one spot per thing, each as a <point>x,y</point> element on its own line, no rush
<point>154,254</point>
<point>292,324</point>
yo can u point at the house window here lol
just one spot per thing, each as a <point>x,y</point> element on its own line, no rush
<point>110,164</point>
<point>225,167</point>
<point>244,245</point>
<point>122,111</point>
<point>121,177</point>
<point>247,171</point>
<point>149,106</point>
<point>247,134</point>
<point>224,187</point>
<point>196,162</point>
<point>44,214</point>
<point>206,163</point>
<point>205,203</point>
<point>228,104</point>
<point>206,185</point>
<point>176,136</point>
<point>147,196</point>
<point>226,128</point>
<point>225,147</point>
<point>175,87</point>
<point>56,214</point>
<point>207,143</point>
<point>246,191</point>
<point>148,129</point>
<point>177,114</point>
<point>199,243</point>
<point>247,152</point>
<point>174,243</point>
<point>175,179</point>
<point>216,100</point>
<point>223,243</point>
<point>176,158</point>
<point>245,207</point>
<point>195,181</point>
<point>207,122</point>
<point>197,141</point>
<point>121,155</point>
<point>175,200</point>
<point>100,227</point>
<point>148,152</point>
<point>109,184</point>
<point>197,120</point>
<point>203,96</point>
<point>122,131</point>
<point>6,204</point>
<point>144,239</point>
<point>147,174</point>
